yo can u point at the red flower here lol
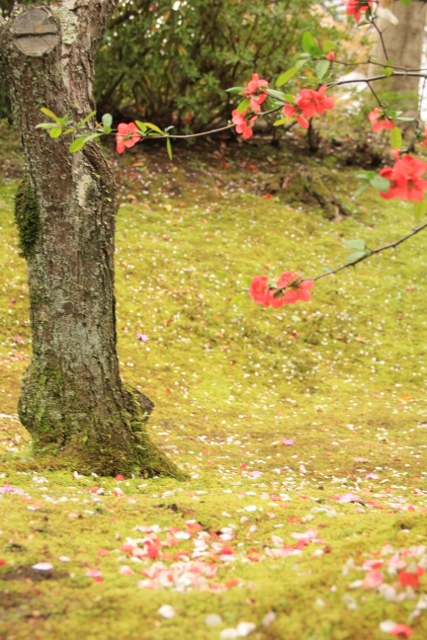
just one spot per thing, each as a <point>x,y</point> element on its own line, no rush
<point>255,84</point>
<point>291,111</point>
<point>296,288</point>
<point>243,125</point>
<point>357,7</point>
<point>127,136</point>
<point>255,91</point>
<point>405,179</point>
<point>290,288</point>
<point>259,290</point>
<point>379,120</point>
<point>278,301</point>
<point>312,102</point>
<point>308,104</point>
<point>330,56</point>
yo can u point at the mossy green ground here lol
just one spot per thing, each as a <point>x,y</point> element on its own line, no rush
<point>343,376</point>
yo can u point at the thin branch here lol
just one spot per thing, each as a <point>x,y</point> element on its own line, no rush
<point>375,95</point>
<point>207,133</point>
<point>399,74</point>
<point>372,252</point>
<point>380,33</point>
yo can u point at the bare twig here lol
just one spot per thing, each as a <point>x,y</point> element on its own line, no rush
<point>370,253</point>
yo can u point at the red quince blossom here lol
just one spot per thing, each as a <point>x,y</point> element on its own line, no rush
<point>357,7</point>
<point>259,290</point>
<point>127,136</point>
<point>289,289</point>
<point>308,104</point>
<point>312,102</point>
<point>291,111</point>
<point>243,125</point>
<point>379,120</point>
<point>296,288</point>
<point>256,92</point>
<point>330,56</point>
<point>405,178</point>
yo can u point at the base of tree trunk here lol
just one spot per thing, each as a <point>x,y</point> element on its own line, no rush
<point>86,442</point>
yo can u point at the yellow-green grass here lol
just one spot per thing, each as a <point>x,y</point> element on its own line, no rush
<point>343,376</point>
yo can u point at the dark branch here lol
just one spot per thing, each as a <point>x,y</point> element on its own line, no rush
<point>371,252</point>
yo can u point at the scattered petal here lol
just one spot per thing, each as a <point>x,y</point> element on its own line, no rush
<point>166,611</point>
<point>42,566</point>
<point>213,620</point>
<point>395,629</point>
<point>245,628</point>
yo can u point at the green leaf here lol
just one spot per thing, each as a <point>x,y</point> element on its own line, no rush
<point>286,76</point>
<point>420,209</point>
<point>80,142</point>
<point>300,63</point>
<point>357,245</point>
<point>107,120</point>
<point>234,90</point>
<point>388,71</point>
<point>55,132</point>
<point>360,190</point>
<point>405,119</point>
<point>278,123</point>
<point>169,148</point>
<point>276,94</point>
<point>380,183</point>
<point>308,43</point>
<point>142,126</point>
<point>239,298</point>
<point>243,105</point>
<point>289,97</point>
<point>46,125</point>
<point>322,68</point>
<point>406,3</point>
<point>153,127</point>
<point>396,138</point>
<point>49,113</point>
<point>328,46</point>
<point>355,256</point>
<point>77,144</point>
<point>93,136</point>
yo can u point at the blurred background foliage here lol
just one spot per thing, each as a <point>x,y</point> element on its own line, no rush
<point>171,61</point>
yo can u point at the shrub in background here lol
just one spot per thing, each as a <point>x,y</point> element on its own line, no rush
<point>171,61</point>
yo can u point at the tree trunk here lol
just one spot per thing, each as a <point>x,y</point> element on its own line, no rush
<point>72,401</point>
<point>403,44</point>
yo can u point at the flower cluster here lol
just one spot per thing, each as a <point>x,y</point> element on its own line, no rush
<point>127,136</point>
<point>357,7</point>
<point>405,178</point>
<point>308,104</point>
<point>379,120</point>
<point>256,92</point>
<point>289,288</point>
<point>243,123</point>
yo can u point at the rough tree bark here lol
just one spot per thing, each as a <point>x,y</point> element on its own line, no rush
<point>72,400</point>
<point>403,44</point>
